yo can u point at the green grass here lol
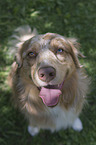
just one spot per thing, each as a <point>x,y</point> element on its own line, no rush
<point>75,18</point>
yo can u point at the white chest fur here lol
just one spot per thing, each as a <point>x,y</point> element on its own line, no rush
<point>62,118</point>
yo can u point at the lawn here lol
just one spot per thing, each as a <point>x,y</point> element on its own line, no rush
<point>76,18</point>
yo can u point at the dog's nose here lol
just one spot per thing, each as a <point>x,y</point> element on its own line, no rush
<point>46,74</point>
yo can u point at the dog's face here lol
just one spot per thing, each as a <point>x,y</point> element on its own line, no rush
<point>48,60</point>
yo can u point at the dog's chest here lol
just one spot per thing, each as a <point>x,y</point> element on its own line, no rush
<point>62,118</point>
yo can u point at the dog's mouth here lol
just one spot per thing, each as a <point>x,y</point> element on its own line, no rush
<point>50,94</point>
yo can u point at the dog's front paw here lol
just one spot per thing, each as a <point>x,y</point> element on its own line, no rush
<point>33,130</point>
<point>77,125</point>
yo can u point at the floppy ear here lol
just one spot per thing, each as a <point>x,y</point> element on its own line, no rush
<point>18,60</point>
<point>75,52</point>
<point>76,47</point>
<point>18,56</point>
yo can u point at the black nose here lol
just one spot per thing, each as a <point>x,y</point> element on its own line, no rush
<point>46,74</point>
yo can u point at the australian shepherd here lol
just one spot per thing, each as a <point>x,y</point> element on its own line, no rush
<point>48,82</point>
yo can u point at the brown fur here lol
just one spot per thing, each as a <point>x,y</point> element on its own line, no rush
<point>23,79</point>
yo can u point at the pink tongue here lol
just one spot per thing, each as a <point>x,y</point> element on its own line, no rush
<point>50,97</point>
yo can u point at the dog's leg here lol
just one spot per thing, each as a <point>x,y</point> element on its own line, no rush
<point>33,130</point>
<point>77,125</point>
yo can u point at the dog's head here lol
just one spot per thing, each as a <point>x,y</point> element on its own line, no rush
<point>48,60</point>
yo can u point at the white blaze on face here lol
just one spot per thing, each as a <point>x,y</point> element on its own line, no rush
<point>45,58</point>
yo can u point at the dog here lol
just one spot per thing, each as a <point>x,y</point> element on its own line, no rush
<point>49,84</point>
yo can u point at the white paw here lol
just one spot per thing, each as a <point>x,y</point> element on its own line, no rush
<point>33,130</point>
<point>77,125</point>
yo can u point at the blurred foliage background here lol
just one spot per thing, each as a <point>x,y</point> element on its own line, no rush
<point>76,18</point>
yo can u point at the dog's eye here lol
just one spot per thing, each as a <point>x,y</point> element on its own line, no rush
<point>32,54</point>
<point>60,50</point>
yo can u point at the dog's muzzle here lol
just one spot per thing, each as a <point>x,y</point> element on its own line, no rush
<point>49,94</point>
